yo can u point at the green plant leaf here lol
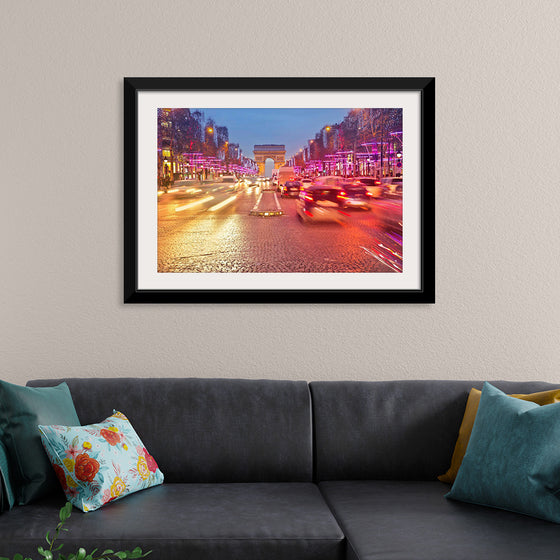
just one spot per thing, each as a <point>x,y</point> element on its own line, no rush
<point>47,554</point>
<point>68,508</point>
<point>65,512</point>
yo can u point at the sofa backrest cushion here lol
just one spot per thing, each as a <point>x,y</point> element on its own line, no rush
<point>392,430</point>
<point>208,430</point>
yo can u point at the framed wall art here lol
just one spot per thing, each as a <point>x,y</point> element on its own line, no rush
<point>277,190</point>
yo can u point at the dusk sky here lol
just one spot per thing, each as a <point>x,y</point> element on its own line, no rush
<point>292,127</point>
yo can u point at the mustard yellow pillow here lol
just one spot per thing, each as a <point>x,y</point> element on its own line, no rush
<point>541,398</point>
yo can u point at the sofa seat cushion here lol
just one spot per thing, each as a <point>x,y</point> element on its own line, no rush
<point>411,520</point>
<point>192,521</point>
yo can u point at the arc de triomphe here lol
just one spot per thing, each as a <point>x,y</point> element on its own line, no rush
<point>277,152</point>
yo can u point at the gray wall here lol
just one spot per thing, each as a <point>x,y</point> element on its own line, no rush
<point>498,195</point>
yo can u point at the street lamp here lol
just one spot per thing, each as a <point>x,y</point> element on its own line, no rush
<point>399,161</point>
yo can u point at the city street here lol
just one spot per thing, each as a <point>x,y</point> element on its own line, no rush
<point>209,228</point>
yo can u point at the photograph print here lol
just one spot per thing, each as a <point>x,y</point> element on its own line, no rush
<point>274,195</point>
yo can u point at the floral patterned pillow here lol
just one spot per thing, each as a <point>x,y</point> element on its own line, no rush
<point>99,463</point>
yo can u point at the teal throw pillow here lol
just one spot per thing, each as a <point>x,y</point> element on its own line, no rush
<point>99,463</point>
<point>21,410</point>
<point>513,457</point>
<point>7,497</point>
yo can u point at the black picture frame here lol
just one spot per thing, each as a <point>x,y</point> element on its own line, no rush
<point>423,293</point>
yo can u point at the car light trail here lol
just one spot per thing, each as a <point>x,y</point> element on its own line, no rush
<point>222,204</point>
<point>398,255</point>
<point>201,201</point>
<point>392,265</point>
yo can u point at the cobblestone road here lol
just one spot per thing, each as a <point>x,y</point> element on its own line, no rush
<point>210,229</point>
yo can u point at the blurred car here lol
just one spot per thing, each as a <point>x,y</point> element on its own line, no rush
<point>267,184</point>
<point>285,174</point>
<point>290,188</point>
<point>329,181</point>
<point>354,195</point>
<point>374,186</point>
<point>393,185</point>
<point>229,179</point>
<point>305,182</point>
<point>388,215</point>
<point>320,203</point>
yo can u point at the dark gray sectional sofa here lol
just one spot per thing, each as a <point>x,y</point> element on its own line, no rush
<point>271,470</point>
